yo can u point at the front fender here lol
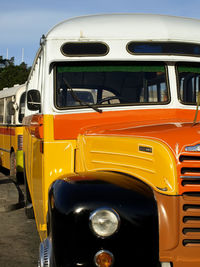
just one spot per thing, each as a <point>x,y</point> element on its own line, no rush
<point>71,201</point>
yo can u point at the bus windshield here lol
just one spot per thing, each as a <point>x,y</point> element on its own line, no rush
<point>188,82</point>
<point>110,83</point>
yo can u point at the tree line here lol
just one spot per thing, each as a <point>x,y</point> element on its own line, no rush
<point>11,74</point>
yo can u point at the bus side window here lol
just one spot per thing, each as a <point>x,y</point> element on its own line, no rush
<point>22,107</point>
<point>8,117</point>
<point>1,110</point>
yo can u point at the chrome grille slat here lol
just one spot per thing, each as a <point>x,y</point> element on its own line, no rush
<point>190,177</point>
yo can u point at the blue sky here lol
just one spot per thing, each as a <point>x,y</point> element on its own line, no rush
<point>22,22</point>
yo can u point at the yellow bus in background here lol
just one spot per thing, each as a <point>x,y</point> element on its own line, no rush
<point>12,102</point>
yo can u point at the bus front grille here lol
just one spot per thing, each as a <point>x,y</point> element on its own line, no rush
<point>190,205</point>
<point>189,175</point>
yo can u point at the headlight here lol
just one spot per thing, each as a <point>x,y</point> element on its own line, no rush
<point>104,222</point>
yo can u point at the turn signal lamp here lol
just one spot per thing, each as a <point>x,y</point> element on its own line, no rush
<point>104,258</point>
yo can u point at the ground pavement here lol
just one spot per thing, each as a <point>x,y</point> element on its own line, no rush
<point>19,241</point>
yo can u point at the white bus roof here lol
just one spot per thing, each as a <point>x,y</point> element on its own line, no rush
<point>11,91</point>
<point>139,27</point>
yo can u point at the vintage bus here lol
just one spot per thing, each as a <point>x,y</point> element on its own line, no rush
<point>112,142</point>
<point>12,108</point>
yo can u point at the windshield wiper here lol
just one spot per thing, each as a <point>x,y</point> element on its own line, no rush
<point>76,98</point>
<point>197,109</point>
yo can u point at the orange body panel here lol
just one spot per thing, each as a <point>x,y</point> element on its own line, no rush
<point>68,126</point>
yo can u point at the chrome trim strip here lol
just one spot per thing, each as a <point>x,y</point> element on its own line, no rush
<point>45,253</point>
<point>165,264</point>
<point>190,177</point>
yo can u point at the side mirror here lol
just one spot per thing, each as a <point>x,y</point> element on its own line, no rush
<point>11,109</point>
<point>33,100</point>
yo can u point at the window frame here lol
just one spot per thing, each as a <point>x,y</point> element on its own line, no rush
<point>2,115</point>
<point>54,67</point>
<point>9,99</point>
<point>85,54</point>
<point>178,83</point>
<point>160,54</point>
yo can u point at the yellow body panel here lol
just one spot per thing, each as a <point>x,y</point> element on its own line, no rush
<point>9,142</point>
<point>42,169</point>
<point>122,154</point>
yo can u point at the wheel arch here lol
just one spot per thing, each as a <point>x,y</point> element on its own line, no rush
<point>73,198</point>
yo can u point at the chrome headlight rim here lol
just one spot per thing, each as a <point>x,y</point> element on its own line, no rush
<point>99,211</point>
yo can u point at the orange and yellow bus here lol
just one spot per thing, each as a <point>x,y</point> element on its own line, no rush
<point>12,108</point>
<point>112,142</point>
